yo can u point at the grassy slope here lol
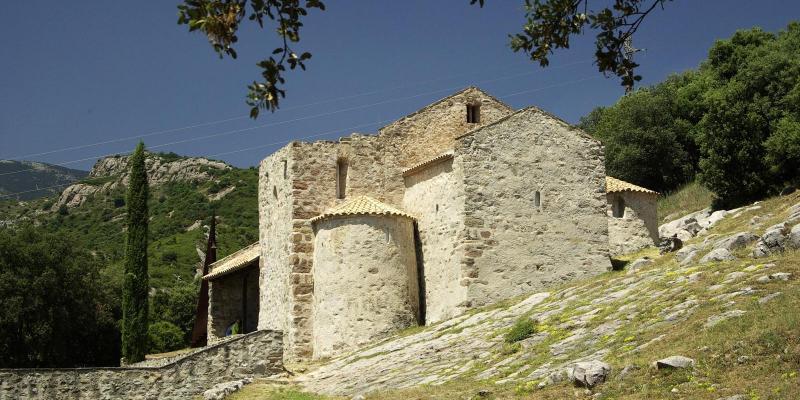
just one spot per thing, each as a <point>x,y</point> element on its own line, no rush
<point>757,355</point>
<point>689,198</point>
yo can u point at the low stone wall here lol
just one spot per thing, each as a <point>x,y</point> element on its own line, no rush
<point>253,354</point>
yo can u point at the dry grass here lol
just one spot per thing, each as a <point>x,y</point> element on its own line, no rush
<point>688,198</point>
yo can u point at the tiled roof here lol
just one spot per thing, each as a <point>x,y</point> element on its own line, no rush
<point>234,262</point>
<point>616,185</point>
<point>427,163</point>
<point>362,205</point>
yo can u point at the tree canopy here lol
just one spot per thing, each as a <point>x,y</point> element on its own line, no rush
<point>734,122</point>
<point>55,310</point>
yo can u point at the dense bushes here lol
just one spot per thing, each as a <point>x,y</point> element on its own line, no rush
<point>55,308</point>
<point>164,336</point>
<point>735,122</point>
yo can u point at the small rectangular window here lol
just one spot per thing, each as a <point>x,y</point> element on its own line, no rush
<point>285,170</point>
<point>473,113</point>
<point>618,208</point>
<point>537,199</point>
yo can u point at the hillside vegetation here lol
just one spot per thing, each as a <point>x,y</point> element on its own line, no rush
<point>180,211</point>
<point>733,318</point>
<point>734,122</point>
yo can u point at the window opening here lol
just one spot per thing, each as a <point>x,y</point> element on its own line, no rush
<point>341,178</point>
<point>619,208</point>
<point>473,113</point>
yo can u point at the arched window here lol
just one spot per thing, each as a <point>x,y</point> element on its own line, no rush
<point>618,208</point>
<point>341,178</point>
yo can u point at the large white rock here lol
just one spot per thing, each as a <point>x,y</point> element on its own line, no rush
<point>794,237</point>
<point>674,362</point>
<point>590,373</point>
<point>717,255</point>
<point>736,241</point>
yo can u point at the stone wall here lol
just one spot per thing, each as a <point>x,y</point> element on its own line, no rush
<point>510,245</point>
<point>365,281</point>
<point>435,195</point>
<point>275,230</point>
<point>638,226</point>
<point>308,188</point>
<point>255,354</point>
<point>227,295</point>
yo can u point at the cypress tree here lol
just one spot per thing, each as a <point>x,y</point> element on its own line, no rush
<point>136,284</point>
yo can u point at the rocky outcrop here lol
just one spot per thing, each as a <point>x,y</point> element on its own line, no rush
<point>111,172</point>
<point>160,170</point>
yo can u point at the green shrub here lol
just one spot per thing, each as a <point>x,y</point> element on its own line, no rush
<point>522,329</point>
<point>169,257</point>
<point>164,336</point>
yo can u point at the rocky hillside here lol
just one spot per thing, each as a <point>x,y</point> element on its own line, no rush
<point>716,320</point>
<point>112,172</point>
<point>28,176</point>
<point>184,191</point>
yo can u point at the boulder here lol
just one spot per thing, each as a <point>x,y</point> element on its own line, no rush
<point>793,240</point>
<point>720,254</point>
<point>590,373</point>
<point>736,241</point>
<point>772,241</point>
<point>674,362</point>
<point>671,228</point>
<point>683,253</point>
<point>713,219</point>
<point>690,258</point>
<point>778,276</point>
<point>638,264</point>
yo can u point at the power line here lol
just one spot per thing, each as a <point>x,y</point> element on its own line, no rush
<point>237,131</point>
<point>215,155</point>
<point>291,140</point>
<point>241,117</point>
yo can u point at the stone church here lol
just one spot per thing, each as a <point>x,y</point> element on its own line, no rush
<point>461,204</point>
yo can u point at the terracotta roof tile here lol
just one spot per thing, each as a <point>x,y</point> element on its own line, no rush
<point>614,185</point>
<point>362,205</point>
<point>234,262</point>
<point>427,163</point>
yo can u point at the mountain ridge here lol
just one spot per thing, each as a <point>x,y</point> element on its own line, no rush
<point>28,180</point>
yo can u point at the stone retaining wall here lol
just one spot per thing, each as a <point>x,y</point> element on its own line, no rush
<point>253,354</point>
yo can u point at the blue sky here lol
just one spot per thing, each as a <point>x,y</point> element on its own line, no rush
<point>79,72</point>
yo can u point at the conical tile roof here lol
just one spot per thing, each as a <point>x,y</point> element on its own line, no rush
<point>362,205</point>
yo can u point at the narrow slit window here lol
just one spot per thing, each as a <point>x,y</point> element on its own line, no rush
<point>473,113</point>
<point>285,170</point>
<point>341,179</point>
<point>537,199</point>
<point>618,209</point>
